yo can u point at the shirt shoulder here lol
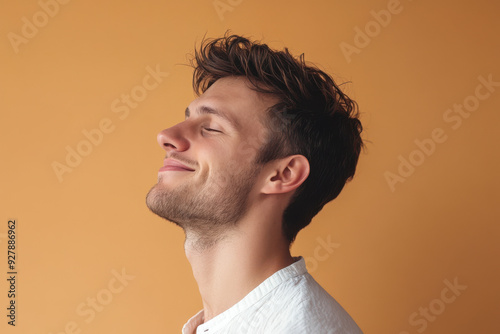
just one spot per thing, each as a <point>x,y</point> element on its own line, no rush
<point>296,304</point>
<point>302,305</point>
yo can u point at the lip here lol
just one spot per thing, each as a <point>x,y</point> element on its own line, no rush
<point>170,164</point>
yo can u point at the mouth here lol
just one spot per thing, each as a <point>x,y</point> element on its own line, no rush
<point>170,164</point>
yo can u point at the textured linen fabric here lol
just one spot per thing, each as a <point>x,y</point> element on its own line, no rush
<point>289,301</point>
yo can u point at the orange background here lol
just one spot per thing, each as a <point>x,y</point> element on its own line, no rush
<point>393,248</point>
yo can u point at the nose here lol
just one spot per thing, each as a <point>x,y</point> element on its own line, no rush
<point>173,139</point>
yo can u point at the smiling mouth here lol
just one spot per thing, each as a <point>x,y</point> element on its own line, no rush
<point>170,164</point>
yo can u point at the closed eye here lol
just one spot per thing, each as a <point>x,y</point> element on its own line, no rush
<point>211,130</point>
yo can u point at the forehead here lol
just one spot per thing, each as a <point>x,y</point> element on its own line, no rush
<point>234,97</point>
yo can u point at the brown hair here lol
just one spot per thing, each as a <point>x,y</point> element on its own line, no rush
<point>313,117</point>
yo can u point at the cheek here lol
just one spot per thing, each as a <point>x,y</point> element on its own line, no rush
<point>227,158</point>
<point>247,151</point>
<point>222,167</point>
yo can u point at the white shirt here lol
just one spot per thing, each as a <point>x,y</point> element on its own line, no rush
<point>289,301</point>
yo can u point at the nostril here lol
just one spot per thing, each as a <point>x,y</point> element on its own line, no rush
<point>169,145</point>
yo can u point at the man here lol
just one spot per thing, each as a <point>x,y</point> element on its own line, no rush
<point>268,142</point>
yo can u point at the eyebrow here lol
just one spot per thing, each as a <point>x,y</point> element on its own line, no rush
<point>208,110</point>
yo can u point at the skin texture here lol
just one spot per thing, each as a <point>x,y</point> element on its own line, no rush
<point>229,207</point>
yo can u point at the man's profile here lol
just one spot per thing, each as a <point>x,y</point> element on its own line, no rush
<point>267,143</point>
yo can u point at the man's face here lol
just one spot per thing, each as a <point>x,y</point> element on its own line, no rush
<point>207,181</point>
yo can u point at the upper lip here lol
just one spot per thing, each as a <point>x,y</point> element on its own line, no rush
<point>175,163</point>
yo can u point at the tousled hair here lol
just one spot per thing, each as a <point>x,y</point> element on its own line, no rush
<point>313,117</point>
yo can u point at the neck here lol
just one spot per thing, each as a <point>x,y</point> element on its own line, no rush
<point>229,268</point>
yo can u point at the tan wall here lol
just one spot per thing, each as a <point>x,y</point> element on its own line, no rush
<point>395,239</point>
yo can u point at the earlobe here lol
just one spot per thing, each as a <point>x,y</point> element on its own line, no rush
<point>286,174</point>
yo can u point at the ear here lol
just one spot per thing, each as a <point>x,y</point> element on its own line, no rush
<point>286,174</point>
